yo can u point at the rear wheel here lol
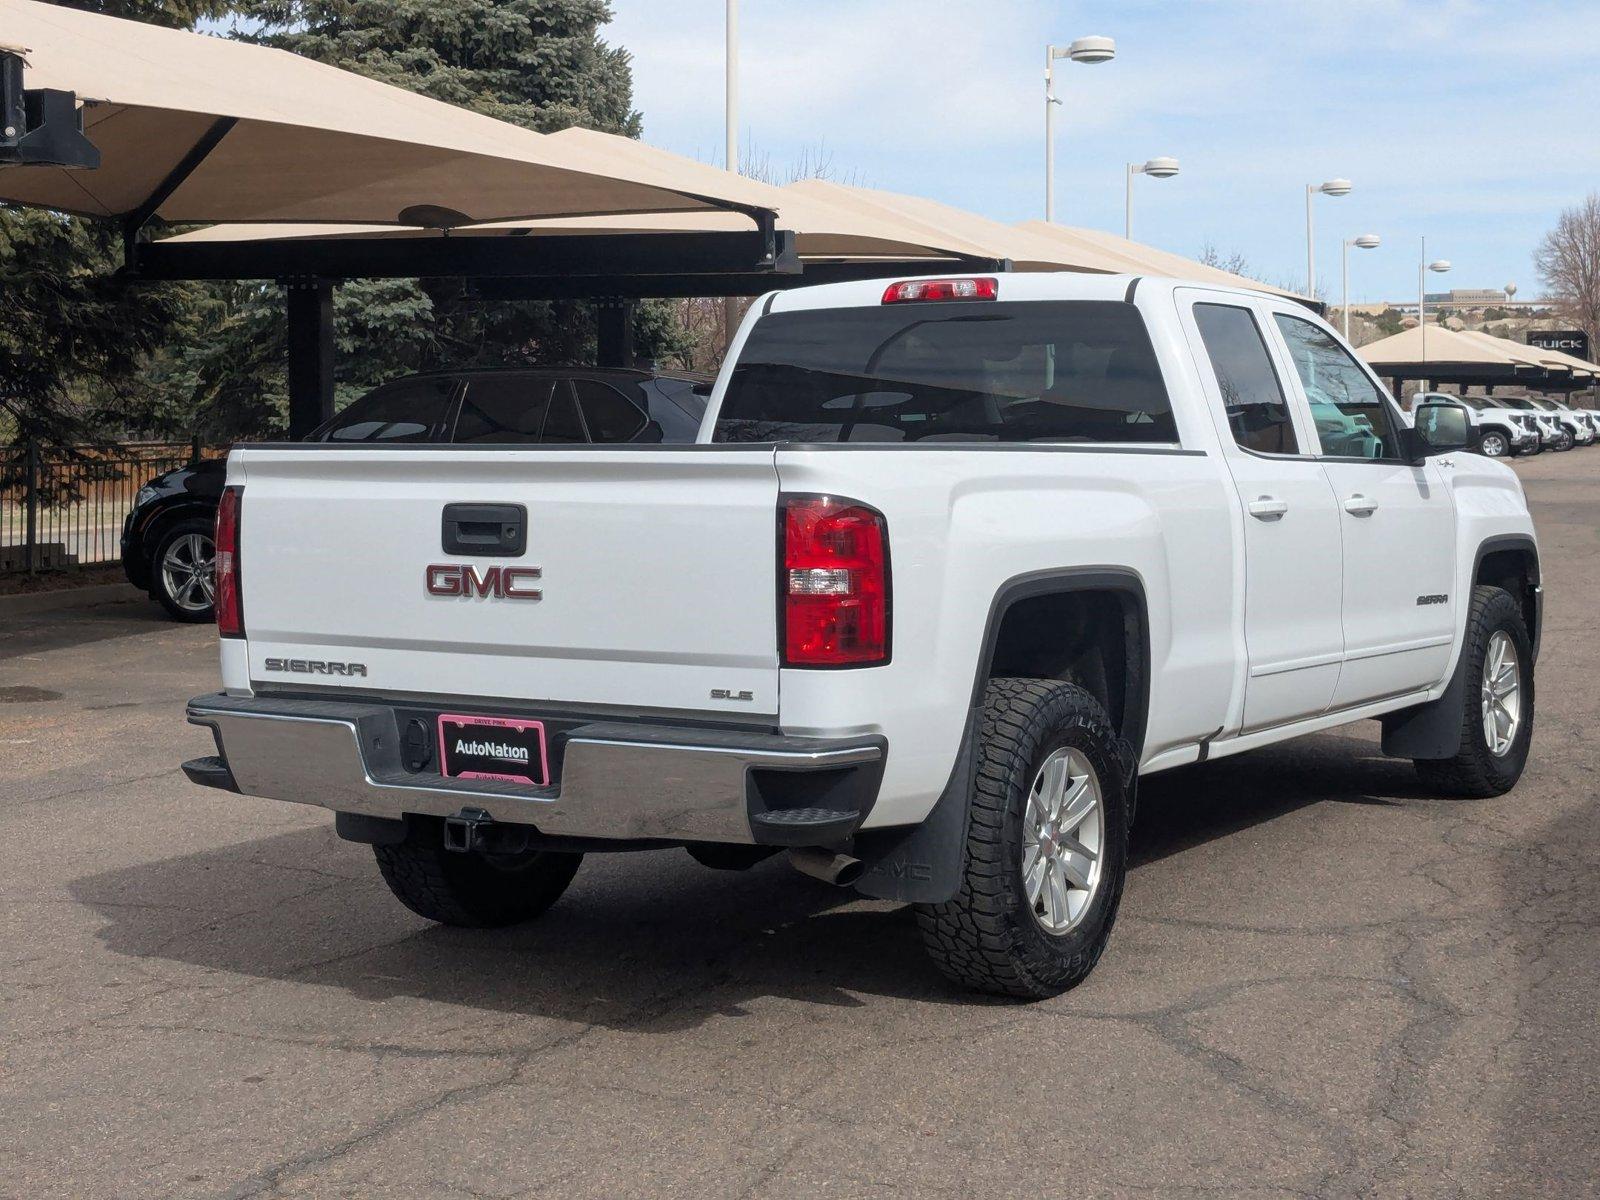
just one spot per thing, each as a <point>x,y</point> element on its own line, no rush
<point>1046,851</point>
<point>1497,707</point>
<point>183,571</point>
<point>1495,445</point>
<point>473,889</point>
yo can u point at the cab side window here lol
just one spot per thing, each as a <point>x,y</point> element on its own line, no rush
<point>1252,396</point>
<point>504,410</point>
<point>1352,417</point>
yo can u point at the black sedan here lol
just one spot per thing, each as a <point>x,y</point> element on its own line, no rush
<point>167,546</point>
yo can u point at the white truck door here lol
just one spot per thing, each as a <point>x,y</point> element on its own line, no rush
<point>1293,574</point>
<point>1397,519</point>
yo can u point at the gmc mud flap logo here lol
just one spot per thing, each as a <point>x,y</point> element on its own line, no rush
<point>895,869</point>
<point>316,666</point>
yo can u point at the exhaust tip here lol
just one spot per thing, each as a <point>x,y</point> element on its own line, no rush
<point>841,870</point>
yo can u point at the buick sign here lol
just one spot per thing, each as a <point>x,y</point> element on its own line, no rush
<point>1569,341</point>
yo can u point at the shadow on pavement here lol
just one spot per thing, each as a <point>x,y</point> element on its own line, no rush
<point>39,632</point>
<point>641,941</point>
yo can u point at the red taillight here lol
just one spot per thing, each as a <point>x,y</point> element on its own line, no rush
<point>230,600</point>
<point>835,583</point>
<point>914,290</point>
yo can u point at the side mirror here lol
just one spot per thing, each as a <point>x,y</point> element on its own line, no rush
<point>1441,428</point>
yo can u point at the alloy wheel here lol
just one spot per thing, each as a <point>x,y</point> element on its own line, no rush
<point>1501,694</point>
<point>1063,841</point>
<point>189,572</point>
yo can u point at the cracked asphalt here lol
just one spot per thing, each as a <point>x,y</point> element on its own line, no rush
<point>1323,982</point>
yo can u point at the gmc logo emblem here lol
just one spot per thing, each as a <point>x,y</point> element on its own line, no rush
<point>498,583</point>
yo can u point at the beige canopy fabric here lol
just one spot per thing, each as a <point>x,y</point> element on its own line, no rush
<point>1149,260</point>
<point>1443,346</point>
<point>826,230</point>
<point>307,142</point>
<point>1552,360</point>
<point>999,240</point>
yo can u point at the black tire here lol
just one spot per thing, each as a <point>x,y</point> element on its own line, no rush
<point>472,890</point>
<point>987,936</point>
<point>1495,444</point>
<point>160,591</point>
<point>1476,771</point>
<point>1565,440</point>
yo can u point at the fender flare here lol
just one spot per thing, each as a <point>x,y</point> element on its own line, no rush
<point>922,864</point>
<point>1433,730</point>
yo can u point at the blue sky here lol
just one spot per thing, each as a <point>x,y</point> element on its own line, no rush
<point>1472,123</point>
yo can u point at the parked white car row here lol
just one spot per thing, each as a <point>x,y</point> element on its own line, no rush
<point>1513,425</point>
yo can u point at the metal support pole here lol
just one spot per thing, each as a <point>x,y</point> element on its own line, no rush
<point>310,356</point>
<point>1311,246</point>
<point>731,107</point>
<point>31,494</point>
<point>1344,274</point>
<point>614,333</point>
<point>1422,298</point>
<point>1127,207</point>
<point>1049,133</point>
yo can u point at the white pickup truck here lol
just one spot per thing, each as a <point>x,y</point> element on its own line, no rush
<point>953,563</point>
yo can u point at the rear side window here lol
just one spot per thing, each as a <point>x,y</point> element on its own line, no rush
<point>408,410</point>
<point>503,410</point>
<point>610,416</point>
<point>1056,371</point>
<point>1352,418</point>
<point>1252,397</point>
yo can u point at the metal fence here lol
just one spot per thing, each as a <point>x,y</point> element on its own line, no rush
<point>62,506</point>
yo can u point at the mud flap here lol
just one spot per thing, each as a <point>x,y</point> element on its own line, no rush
<point>922,864</point>
<point>1431,730</point>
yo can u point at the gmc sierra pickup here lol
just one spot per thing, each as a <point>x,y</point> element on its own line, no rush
<point>953,563</point>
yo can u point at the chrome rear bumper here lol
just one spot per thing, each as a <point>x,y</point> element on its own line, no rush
<point>619,780</point>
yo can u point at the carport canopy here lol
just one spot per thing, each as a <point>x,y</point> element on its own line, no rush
<point>200,129</point>
<point>1452,356</point>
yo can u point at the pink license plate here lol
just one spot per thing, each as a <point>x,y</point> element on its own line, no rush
<point>504,748</point>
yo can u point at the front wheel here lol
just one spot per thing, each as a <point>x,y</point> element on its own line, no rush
<point>474,889</point>
<point>1047,845</point>
<point>1497,707</point>
<point>1565,440</point>
<point>1495,445</point>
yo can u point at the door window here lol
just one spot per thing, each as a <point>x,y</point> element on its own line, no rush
<point>501,410</point>
<point>1352,416</point>
<point>1252,397</point>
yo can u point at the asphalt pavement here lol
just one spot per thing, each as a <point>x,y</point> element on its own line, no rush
<point>1323,982</point>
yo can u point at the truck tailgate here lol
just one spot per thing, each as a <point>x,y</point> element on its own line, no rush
<point>656,575</point>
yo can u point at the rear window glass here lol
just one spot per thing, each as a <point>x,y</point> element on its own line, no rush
<point>408,410</point>
<point>1056,371</point>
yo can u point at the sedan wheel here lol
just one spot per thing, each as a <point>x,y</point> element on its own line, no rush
<point>185,575</point>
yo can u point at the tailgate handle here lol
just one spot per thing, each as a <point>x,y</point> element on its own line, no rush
<point>487,530</point>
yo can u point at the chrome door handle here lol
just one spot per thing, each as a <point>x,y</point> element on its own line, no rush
<point>1268,508</point>
<point>1360,506</point>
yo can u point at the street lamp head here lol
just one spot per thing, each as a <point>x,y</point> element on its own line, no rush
<point>1092,50</point>
<point>1160,168</point>
<point>1440,265</point>
<point>1367,241</point>
<point>1335,187</point>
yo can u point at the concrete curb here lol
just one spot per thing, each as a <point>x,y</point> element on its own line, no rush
<point>65,598</point>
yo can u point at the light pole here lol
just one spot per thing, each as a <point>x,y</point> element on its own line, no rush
<point>731,102</point>
<point>1365,241</point>
<point>1334,187</point>
<point>1439,265</point>
<point>1156,168</point>
<point>1087,50</point>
